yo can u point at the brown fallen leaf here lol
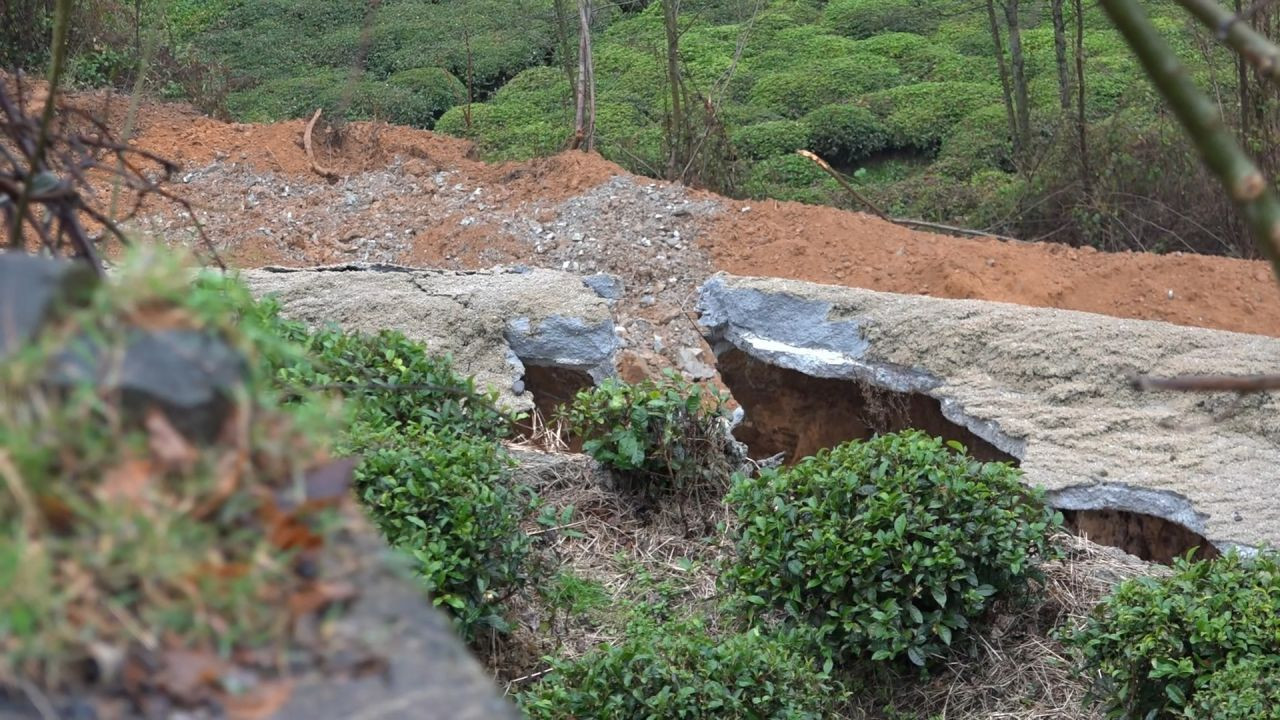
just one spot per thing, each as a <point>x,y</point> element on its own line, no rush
<point>189,676</point>
<point>126,483</point>
<point>170,449</point>
<point>317,596</point>
<point>263,701</point>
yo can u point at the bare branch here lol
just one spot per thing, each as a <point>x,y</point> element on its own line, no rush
<point>1208,383</point>
<point>1251,193</point>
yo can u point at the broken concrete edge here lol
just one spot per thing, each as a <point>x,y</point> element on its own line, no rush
<point>775,324</point>
<point>1171,506</point>
<point>796,333</point>
<point>578,338</point>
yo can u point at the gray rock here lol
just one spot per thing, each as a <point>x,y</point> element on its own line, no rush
<point>694,368</point>
<point>606,286</point>
<point>188,374</point>
<point>30,288</point>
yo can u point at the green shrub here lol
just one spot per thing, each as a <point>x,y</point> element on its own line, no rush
<point>443,498</point>
<point>796,92</point>
<point>430,92</point>
<point>395,386</point>
<point>859,19</point>
<point>979,142</point>
<point>919,116</point>
<point>915,56</point>
<point>662,435</point>
<point>514,129</point>
<point>680,671</point>
<point>790,177</point>
<point>434,478</point>
<point>845,133</point>
<point>889,547</point>
<point>545,87</point>
<point>1244,690</point>
<point>793,46</point>
<point>770,139</point>
<point>1156,644</point>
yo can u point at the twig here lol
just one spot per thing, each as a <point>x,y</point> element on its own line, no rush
<point>906,222</point>
<point>311,155</point>
<point>952,229</point>
<point>844,183</point>
<point>1248,189</point>
<point>558,527</point>
<point>1208,383</point>
<point>61,19</point>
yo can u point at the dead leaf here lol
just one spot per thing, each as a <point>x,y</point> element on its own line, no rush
<point>317,596</point>
<point>188,676</point>
<point>263,701</point>
<point>170,449</point>
<point>126,483</point>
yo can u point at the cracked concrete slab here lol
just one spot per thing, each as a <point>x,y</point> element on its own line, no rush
<point>1045,386</point>
<point>493,323</point>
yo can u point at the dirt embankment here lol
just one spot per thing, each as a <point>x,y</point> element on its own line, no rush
<point>476,214</point>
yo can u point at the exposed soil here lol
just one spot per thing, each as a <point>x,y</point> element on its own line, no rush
<point>490,220</point>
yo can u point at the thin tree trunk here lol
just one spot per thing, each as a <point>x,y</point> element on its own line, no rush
<point>1086,175</point>
<point>584,124</point>
<point>1242,80</point>
<point>466,111</point>
<point>675,129</point>
<point>562,39</point>
<point>1060,54</point>
<point>1017,63</point>
<point>1004,78</point>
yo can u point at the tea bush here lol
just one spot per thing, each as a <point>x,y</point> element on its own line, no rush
<point>430,92</point>
<point>845,133</point>
<point>797,91</point>
<point>864,18</point>
<point>434,477</point>
<point>1164,647</point>
<point>395,384</point>
<point>790,177</point>
<point>770,139</point>
<point>445,499</point>
<point>1244,690</point>
<point>662,435</point>
<point>889,547</point>
<point>919,116</point>
<point>681,671</point>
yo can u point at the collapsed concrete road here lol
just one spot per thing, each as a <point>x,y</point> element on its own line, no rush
<point>533,335</point>
<point>1154,473</point>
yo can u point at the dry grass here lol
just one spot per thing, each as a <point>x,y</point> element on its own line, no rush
<point>1019,669</point>
<point>634,552</point>
<point>670,556</point>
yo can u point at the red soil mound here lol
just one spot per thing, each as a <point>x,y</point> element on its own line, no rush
<point>770,238</point>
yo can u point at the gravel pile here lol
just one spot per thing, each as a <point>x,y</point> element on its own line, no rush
<point>412,212</point>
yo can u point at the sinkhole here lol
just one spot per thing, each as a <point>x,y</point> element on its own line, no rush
<point>551,387</point>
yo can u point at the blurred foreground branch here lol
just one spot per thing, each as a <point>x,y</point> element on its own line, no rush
<point>1248,189</point>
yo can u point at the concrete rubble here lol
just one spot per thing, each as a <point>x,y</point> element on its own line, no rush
<point>1047,387</point>
<point>494,323</point>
